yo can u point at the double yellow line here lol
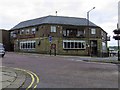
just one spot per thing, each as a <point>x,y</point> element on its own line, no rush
<point>34,77</point>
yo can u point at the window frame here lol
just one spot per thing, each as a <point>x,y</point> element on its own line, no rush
<point>74,44</point>
<point>33,30</point>
<point>22,31</point>
<point>93,31</point>
<point>53,29</point>
<point>27,45</point>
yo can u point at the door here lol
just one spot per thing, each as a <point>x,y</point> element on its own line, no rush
<point>93,47</point>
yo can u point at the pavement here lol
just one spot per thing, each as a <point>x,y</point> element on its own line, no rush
<point>12,78</point>
<point>73,57</point>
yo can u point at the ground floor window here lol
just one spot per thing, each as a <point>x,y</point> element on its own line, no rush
<point>27,44</point>
<point>74,44</point>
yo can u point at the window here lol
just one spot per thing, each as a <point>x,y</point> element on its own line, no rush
<point>27,45</point>
<point>27,31</point>
<point>68,32</point>
<point>21,32</point>
<point>93,31</point>
<point>80,33</point>
<point>102,33</point>
<point>13,34</point>
<point>64,32</point>
<point>71,32</point>
<point>33,31</point>
<point>53,28</point>
<point>74,44</point>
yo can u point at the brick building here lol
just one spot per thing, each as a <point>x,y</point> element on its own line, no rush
<point>70,36</point>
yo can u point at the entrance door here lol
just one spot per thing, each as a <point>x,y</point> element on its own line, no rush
<point>93,47</point>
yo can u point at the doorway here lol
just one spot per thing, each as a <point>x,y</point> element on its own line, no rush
<point>93,48</point>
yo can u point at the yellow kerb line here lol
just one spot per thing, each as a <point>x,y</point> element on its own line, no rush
<point>36,78</point>
<point>33,79</point>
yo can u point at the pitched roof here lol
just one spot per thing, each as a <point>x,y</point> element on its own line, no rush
<point>54,20</point>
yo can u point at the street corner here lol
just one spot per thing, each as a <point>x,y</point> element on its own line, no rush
<point>18,78</point>
<point>10,78</point>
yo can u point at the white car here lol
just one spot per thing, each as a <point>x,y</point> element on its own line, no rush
<point>2,50</point>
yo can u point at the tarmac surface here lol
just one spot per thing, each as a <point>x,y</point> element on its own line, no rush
<point>16,78</point>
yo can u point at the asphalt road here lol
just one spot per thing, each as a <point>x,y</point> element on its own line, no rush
<point>65,72</point>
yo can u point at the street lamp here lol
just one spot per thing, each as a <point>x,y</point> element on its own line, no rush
<point>88,14</point>
<point>89,52</point>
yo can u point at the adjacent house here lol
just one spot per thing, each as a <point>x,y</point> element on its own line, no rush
<point>65,35</point>
<point>4,38</point>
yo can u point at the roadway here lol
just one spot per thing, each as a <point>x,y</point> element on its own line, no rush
<point>64,71</point>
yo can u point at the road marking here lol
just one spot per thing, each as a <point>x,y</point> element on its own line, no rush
<point>33,77</point>
<point>37,79</point>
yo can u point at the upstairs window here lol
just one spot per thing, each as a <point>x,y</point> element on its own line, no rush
<point>21,32</point>
<point>64,32</point>
<point>53,28</point>
<point>68,32</point>
<point>27,31</point>
<point>80,33</point>
<point>13,34</point>
<point>33,31</point>
<point>93,31</point>
<point>71,32</point>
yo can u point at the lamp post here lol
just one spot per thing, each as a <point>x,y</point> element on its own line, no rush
<point>89,51</point>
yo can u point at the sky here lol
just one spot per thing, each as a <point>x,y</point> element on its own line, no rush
<point>104,15</point>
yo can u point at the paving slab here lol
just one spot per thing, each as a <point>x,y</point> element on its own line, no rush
<point>12,78</point>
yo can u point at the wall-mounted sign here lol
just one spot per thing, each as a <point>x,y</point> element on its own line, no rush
<point>50,39</point>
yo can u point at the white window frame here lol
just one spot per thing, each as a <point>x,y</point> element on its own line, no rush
<point>64,33</point>
<point>53,29</point>
<point>33,31</point>
<point>93,31</point>
<point>26,43</point>
<point>69,46</point>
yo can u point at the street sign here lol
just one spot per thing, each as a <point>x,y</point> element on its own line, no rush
<point>50,39</point>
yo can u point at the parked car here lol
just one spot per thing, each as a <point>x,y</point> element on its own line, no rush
<point>2,50</point>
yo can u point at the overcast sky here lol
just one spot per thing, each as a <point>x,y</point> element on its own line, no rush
<point>104,15</point>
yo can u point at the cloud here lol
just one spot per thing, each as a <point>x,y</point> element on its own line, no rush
<point>104,15</point>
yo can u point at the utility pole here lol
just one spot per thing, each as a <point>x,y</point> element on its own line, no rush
<point>89,48</point>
